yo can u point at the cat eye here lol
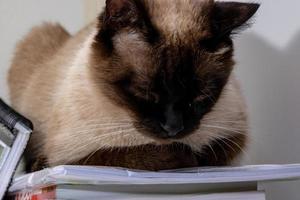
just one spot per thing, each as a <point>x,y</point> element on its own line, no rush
<point>152,97</point>
<point>213,44</point>
<point>137,92</point>
<point>145,95</point>
<point>200,98</point>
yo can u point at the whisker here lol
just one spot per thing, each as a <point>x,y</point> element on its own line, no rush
<point>223,128</point>
<point>210,147</point>
<point>231,126</point>
<point>106,126</point>
<point>229,121</point>
<point>194,149</point>
<point>108,120</point>
<point>228,110</point>
<point>93,130</point>
<point>208,96</point>
<point>228,145</point>
<point>225,153</point>
<point>105,123</point>
<point>92,154</point>
<point>105,136</point>
<point>237,145</point>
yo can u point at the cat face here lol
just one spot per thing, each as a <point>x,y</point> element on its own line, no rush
<point>166,61</point>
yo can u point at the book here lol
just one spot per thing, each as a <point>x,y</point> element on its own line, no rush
<point>85,182</point>
<point>15,131</point>
<point>53,192</point>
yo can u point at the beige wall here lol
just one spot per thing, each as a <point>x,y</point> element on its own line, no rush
<point>18,16</point>
<point>92,9</point>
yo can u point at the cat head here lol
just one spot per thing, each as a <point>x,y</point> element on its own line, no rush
<point>166,62</point>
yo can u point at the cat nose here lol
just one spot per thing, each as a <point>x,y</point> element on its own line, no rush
<point>173,121</point>
<point>172,129</point>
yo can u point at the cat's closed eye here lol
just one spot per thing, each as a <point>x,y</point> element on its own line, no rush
<point>215,44</point>
<point>140,93</point>
<point>200,98</point>
<point>146,95</point>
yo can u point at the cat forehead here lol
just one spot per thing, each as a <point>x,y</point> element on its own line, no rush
<point>139,56</point>
<point>180,19</point>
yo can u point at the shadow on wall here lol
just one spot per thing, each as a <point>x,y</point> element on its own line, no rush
<point>271,81</point>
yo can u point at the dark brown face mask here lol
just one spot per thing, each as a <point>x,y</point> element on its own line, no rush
<point>182,79</point>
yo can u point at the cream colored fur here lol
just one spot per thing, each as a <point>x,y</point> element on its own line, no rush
<point>50,84</point>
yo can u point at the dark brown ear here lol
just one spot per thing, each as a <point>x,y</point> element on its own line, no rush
<point>117,15</point>
<point>228,16</point>
<point>120,13</point>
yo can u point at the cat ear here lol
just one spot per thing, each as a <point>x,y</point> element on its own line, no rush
<point>228,16</point>
<point>120,13</point>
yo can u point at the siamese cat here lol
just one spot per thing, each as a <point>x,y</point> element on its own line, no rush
<point>148,85</point>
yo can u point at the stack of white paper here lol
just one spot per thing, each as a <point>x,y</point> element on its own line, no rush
<point>232,183</point>
<point>106,175</point>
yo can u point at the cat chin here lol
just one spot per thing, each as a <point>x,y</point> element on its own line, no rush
<point>144,157</point>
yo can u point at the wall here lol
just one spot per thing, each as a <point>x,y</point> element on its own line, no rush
<point>18,16</point>
<point>268,59</point>
<point>268,66</point>
<point>92,9</point>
